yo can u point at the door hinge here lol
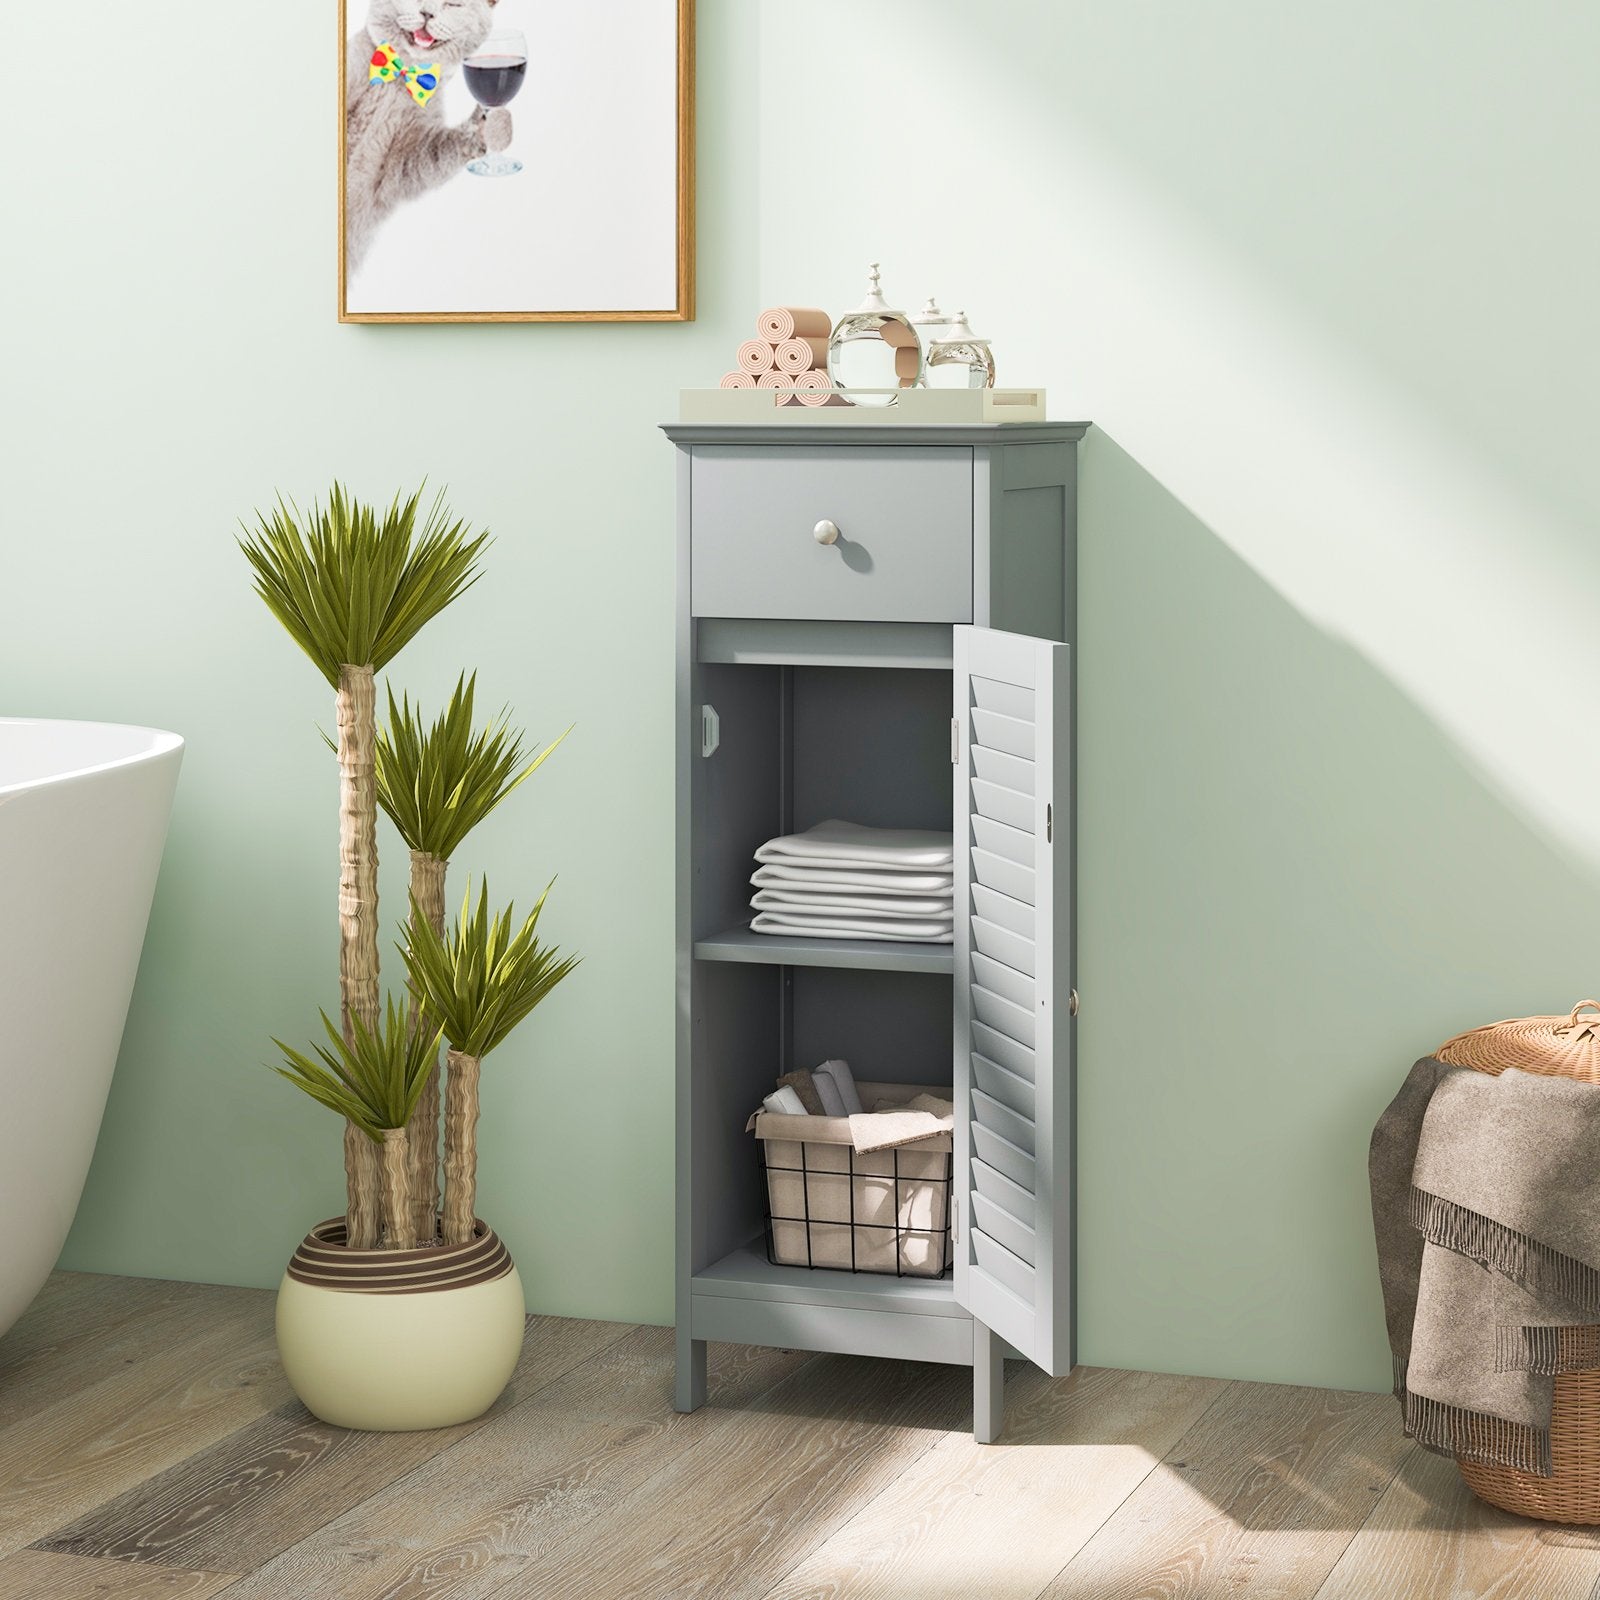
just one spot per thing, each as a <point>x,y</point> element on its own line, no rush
<point>955,741</point>
<point>955,1219</point>
<point>1049,822</point>
<point>710,730</point>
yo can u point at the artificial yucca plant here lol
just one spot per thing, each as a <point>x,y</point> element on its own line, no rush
<point>477,982</point>
<point>373,1080</point>
<point>436,782</point>
<point>353,585</point>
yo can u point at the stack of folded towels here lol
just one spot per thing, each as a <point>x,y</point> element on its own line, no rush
<point>830,1091</point>
<point>840,880</point>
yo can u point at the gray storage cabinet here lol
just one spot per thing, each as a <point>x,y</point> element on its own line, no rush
<point>875,623</point>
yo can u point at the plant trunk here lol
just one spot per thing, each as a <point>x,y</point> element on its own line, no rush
<point>355,710</point>
<point>460,1147</point>
<point>427,889</point>
<point>397,1232</point>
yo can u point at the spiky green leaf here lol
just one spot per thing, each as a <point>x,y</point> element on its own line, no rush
<point>482,977</point>
<point>438,782</point>
<point>352,588</point>
<point>376,1079</point>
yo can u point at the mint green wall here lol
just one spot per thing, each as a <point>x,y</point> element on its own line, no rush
<point>173,359</point>
<point>1325,285</point>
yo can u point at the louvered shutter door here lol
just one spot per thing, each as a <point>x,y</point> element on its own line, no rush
<point>1013,983</point>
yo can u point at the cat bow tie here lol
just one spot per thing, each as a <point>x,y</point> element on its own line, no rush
<point>386,67</point>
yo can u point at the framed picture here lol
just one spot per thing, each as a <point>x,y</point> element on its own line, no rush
<point>516,161</point>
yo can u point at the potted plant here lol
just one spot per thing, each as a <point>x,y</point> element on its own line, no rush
<point>386,1318</point>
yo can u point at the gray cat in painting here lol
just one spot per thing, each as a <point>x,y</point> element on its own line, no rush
<point>395,149</point>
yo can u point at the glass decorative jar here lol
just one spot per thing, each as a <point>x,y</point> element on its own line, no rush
<point>874,347</point>
<point>930,323</point>
<point>958,359</point>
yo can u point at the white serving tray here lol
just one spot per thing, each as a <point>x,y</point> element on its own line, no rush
<point>912,408</point>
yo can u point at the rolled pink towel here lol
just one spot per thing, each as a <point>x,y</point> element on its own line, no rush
<point>801,355</point>
<point>774,380</point>
<point>738,380</point>
<point>812,388</point>
<point>755,355</point>
<point>793,322</point>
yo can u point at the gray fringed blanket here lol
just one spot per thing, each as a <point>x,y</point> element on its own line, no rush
<point>1486,1204</point>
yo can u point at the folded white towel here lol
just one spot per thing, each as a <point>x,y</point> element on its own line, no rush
<point>828,1094</point>
<point>800,904</point>
<point>785,1102</point>
<point>838,1073</point>
<point>826,880</point>
<point>921,932</point>
<point>835,842</point>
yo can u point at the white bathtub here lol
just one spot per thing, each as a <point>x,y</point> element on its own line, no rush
<point>83,816</point>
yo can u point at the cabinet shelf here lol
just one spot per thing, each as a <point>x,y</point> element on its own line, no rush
<point>747,1275</point>
<point>744,1299</point>
<point>776,949</point>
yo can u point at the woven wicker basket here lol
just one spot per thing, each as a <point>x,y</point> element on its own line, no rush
<point>1567,1047</point>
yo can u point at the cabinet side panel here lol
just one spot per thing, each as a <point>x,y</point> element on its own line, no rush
<point>1031,548</point>
<point>683,938</point>
<point>739,790</point>
<point>1029,583</point>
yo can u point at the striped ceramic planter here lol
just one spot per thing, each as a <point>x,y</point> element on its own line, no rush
<point>399,1339</point>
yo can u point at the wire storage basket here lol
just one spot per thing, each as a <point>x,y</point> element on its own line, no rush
<point>830,1206</point>
<point>1567,1047</point>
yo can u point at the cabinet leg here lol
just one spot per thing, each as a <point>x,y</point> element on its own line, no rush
<point>690,1392</point>
<point>988,1385</point>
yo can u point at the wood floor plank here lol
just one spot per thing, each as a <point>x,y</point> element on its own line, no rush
<point>215,1375</point>
<point>45,1575</point>
<point>481,1511</point>
<point>149,1426</point>
<point>277,1480</point>
<point>85,1325</point>
<point>1259,1498</point>
<point>731,1515</point>
<point>58,1308</point>
<point>1430,1535</point>
<point>1001,1520</point>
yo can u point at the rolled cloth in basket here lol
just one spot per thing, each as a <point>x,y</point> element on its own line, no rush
<point>738,380</point>
<point>802,1085</point>
<point>1486,1208</point>
<point>778,323</point>
<point>828,1094</point>
<point>838,1073</point>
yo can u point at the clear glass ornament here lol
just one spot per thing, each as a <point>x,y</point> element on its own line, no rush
<point>930,323</point>
<point>874,347</point>
<point>958,359</point>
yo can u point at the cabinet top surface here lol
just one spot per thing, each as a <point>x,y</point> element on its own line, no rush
<point>884,435</point>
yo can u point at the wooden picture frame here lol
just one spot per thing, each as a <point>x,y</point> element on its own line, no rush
<point>675,274</point>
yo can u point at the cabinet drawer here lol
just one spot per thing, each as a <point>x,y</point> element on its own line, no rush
<point>904,552</point>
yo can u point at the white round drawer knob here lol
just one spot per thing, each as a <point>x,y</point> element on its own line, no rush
<point>826,532</point>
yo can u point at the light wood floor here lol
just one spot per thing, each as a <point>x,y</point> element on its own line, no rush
<point>149,1447</point>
